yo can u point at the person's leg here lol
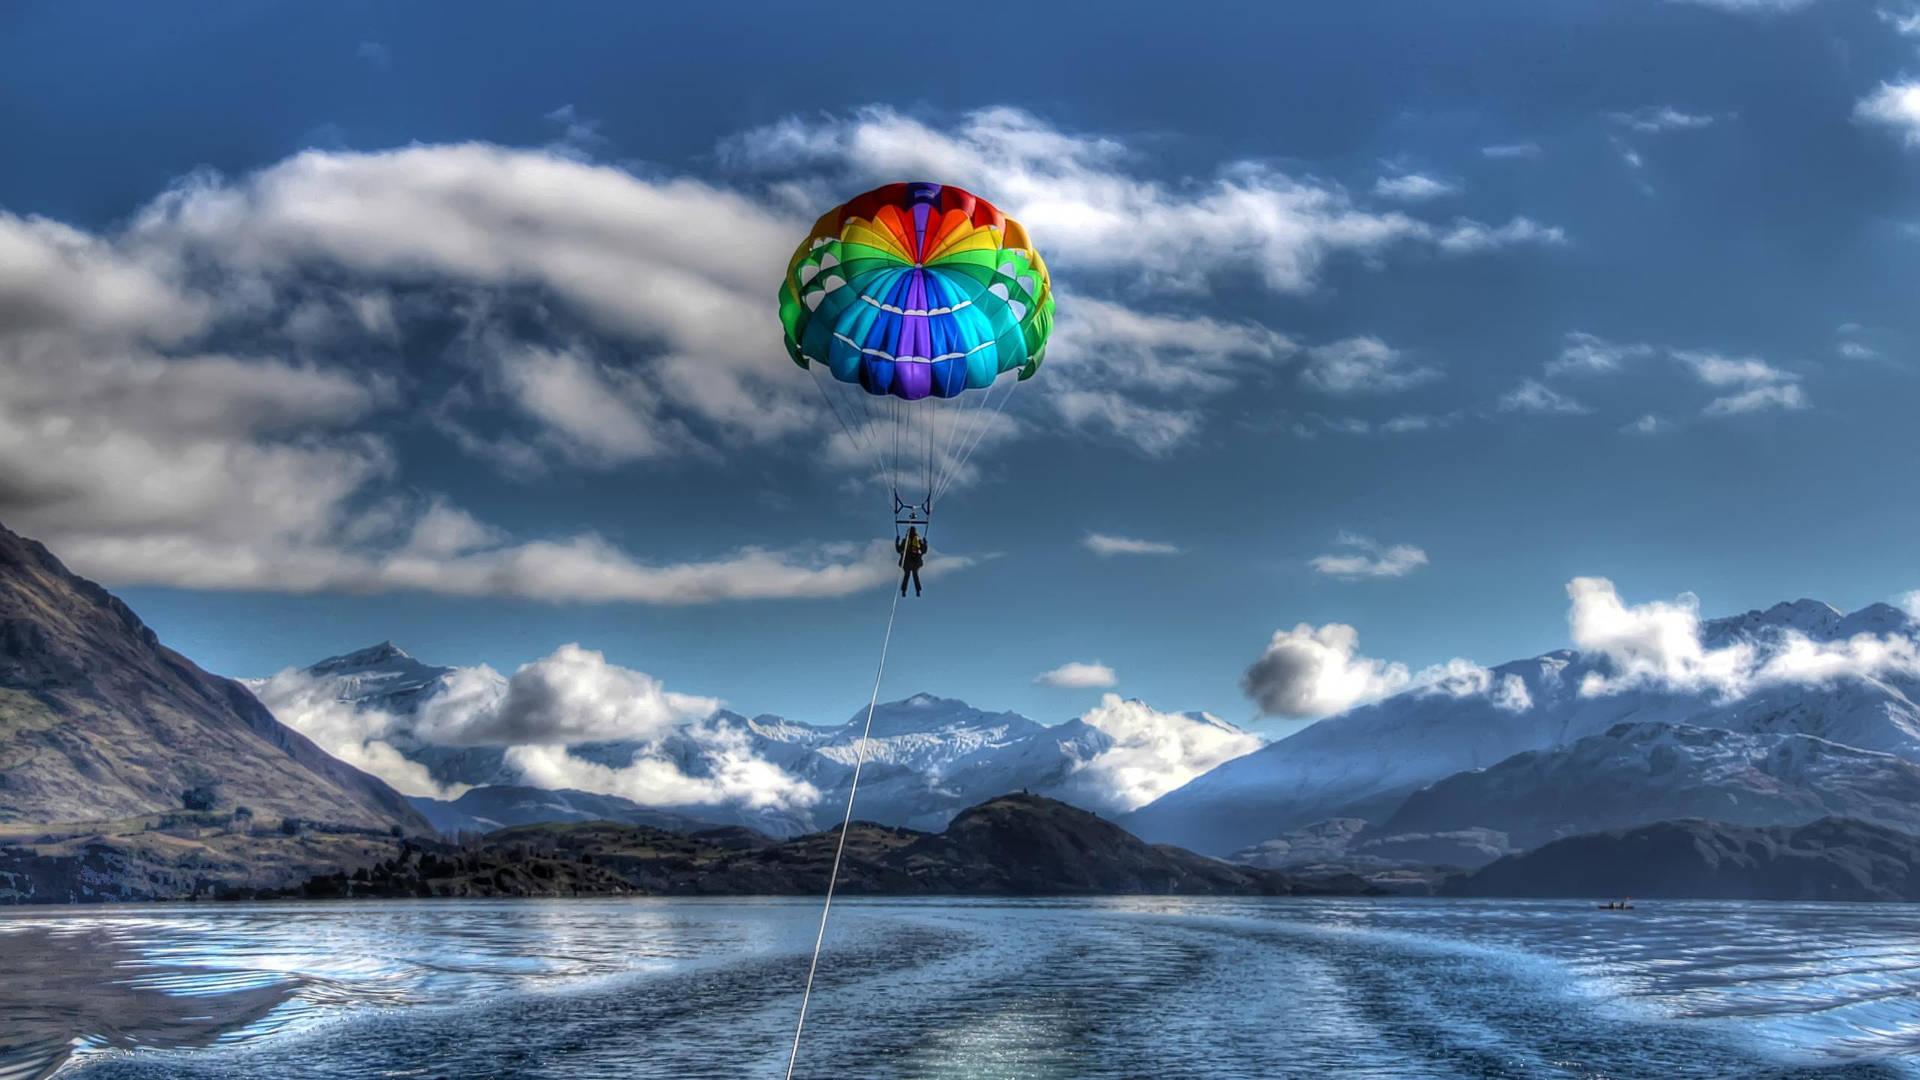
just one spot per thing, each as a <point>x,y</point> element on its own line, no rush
<point>904,575</point>
<point>916,581</point>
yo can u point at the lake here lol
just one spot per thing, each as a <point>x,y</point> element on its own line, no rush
<point>1155,987</point>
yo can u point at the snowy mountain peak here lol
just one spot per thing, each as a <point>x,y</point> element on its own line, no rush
<point>384,656</point>
<point>1812,618</point>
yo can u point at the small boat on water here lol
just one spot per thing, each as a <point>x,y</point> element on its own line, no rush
<point>1620,905</point>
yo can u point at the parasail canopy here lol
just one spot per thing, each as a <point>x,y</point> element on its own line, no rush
<point>907,304</point>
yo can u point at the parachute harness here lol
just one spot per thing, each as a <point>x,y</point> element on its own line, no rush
<point>846,822</point>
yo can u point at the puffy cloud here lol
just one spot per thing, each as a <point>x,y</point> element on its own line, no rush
<point>1152,753</point>
<point>1463,678</point>
<point>1655,119</point>
<point>1104,545</point>
<point>1511,150</point>
<point>1078,676</point>
<point>1362,365</point>
<point>1466,237</point>
<point>1361,557</point>
<point>1313,672</point>
<point>1081,193</point>
<point>1589,354</point>
<point>1894,105</point>
<point>1755,384</point>
<point>731,773</point>
<point>1412,187</point>
<point>572,695</point>
<point>1534,396</point>
<point>680,757</point>
<point>1647,425</point>
<point>1658,645</point>
<point>358,736</point>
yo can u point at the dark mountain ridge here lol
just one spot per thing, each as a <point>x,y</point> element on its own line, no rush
<point>1829,859</point>
<point>100,721</point>
<point>1015,845</point>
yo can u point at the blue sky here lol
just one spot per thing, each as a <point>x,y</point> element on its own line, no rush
<point>456,327</point>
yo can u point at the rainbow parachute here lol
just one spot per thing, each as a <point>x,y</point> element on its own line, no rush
<point>917,289</point>
<point>907,296</point>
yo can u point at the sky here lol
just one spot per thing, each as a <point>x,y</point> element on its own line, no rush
<point>1379,324</point>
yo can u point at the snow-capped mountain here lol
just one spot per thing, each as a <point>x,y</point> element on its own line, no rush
<point>1796,668</point>
<point>928,757</point>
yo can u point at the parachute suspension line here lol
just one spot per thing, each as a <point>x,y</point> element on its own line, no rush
<point>858,437</point>
<point>953,473</point>
<point>965,416</point>
<point>846,822</point>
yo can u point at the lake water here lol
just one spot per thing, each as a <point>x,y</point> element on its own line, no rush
<point>1108,988</point>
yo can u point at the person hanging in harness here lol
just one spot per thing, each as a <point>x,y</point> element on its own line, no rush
<point>913,550</point>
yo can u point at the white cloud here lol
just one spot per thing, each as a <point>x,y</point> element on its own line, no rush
<point>1757,399</point>
<point>681,756</point>
<point>1755,385</point>
<point>1365,558</point>
<point>1589,354</point>
<point>1136,375</point>
<point>1511,150</point>
<point>1154,430</point>
<point>1412,187</point>
<point>1078,675</point>
<point>736,776</point>
<point>1463,678</point>
<point>1749,7</point>
<point>572,695</point>
<point>1658,645</point>
<point>358,736</point>
<point>1152,753</point>
<point>1466,237</point>
<point>1654,119</point>
<point>1905,23</point>
<point>1410,422</point>
<point>1313,672</point>
<point>1895,105</point>
<point>1534,396</point>
<point>1103,545</point>
<point>1909,603</point>
<point>1647,425</point>
<point>1854,350</point>
<point>1655,643</point>
<point>1081,193</point>
<point>1362,365</point>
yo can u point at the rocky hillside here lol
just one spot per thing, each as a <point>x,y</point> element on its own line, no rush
<point>1016,845</point>
<point>99,721</point>
<point>1830,859</point>
<point>1636,774</point>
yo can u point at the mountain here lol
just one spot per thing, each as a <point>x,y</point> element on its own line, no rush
<point>1635,774</point>
<point>1017,845</point>
<point>498,806</point>
<point>1367,762</point>
<point>1829,859</point>
<point>100,721</point>
<point>928,757</point>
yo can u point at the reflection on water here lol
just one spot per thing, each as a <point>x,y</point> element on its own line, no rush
<point>943,988</point>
